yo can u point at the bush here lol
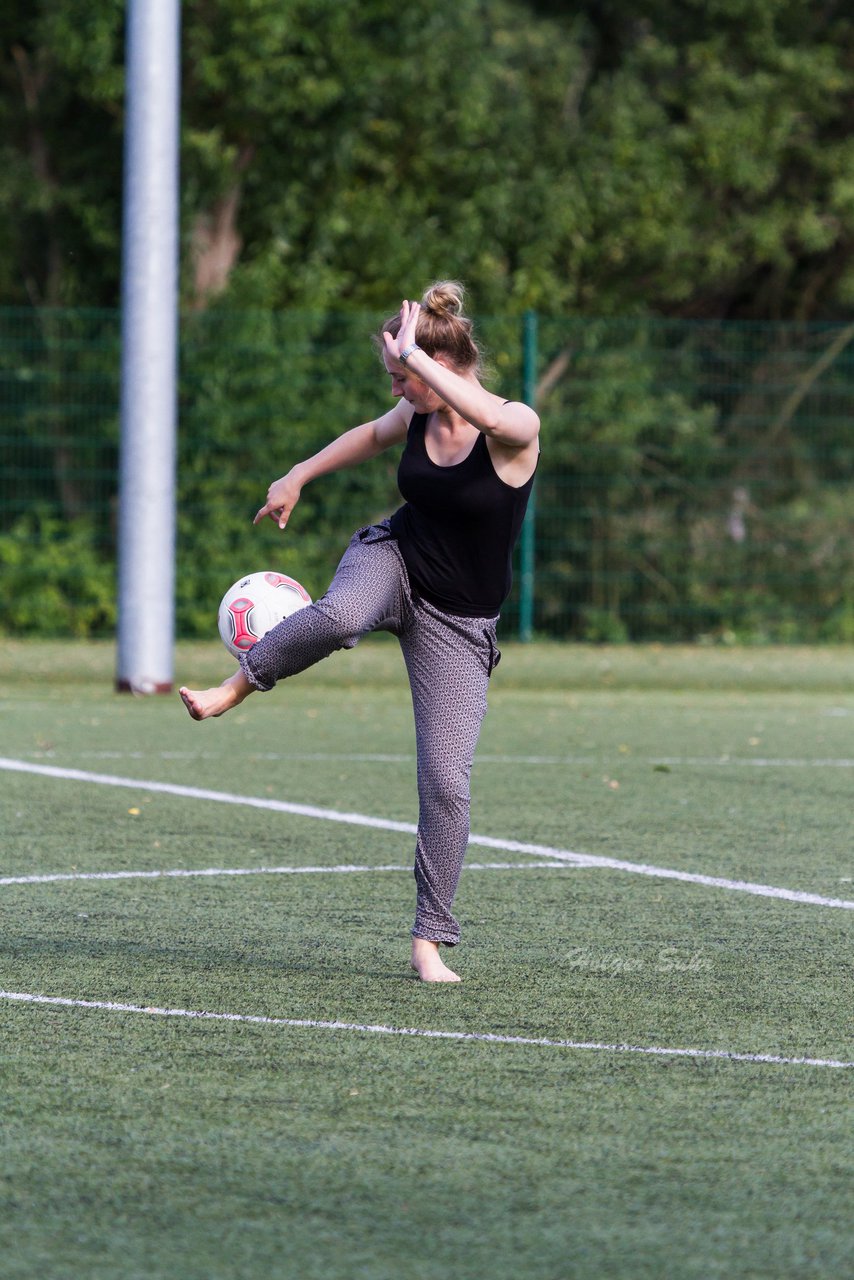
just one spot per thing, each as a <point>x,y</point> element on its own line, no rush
<point>53,581</point>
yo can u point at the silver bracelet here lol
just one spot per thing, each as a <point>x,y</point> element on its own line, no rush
<point>407,352</point>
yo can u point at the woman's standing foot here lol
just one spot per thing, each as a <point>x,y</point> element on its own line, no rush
<point>428,964</point>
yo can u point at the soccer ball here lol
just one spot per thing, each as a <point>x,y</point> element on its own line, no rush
<point>254,604</point>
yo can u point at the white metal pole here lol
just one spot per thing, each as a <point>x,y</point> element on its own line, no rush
<point>146,551</point>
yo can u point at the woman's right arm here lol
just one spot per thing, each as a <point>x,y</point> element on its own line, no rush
<point>354,446</point>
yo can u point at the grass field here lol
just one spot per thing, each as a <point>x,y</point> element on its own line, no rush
<point>647,1070</point>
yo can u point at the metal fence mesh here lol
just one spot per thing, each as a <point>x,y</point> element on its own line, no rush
<point>696,479</point>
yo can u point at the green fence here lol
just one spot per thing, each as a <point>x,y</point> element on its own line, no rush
<point>696,481</point>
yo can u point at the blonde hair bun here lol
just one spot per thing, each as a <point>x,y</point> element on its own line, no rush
<point>444,298</point>
<point>442,327</point>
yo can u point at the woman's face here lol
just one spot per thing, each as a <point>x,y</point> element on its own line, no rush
<point>405,385</point>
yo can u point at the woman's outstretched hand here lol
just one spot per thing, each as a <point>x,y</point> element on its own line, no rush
<point>282,496</point>
<point>409,313</point>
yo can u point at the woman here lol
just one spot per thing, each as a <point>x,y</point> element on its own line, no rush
<point>435,575</point>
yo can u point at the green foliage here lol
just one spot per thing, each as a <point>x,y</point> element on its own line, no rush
<point>721,141</point>
<point>61,90</point>
<point>693,482</point>
<point>792,579</point>
<point>53,581</point>
<point>259,391</point>
<point>600,163</point>
<point>591,159</point>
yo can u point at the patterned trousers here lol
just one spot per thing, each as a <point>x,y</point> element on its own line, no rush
<point>449,660</point>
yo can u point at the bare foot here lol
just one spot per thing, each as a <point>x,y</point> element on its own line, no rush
<point>203,703</point>
<point>427,963</point>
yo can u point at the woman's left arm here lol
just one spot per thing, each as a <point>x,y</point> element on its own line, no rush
<point>511,423</point>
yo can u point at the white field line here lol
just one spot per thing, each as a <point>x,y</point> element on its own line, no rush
<point>386,824</point>
<point>181,873</point>
<point>352,757</point>
<point>480,1037</point>
<point>756,762</point>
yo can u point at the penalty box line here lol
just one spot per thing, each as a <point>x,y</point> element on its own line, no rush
<point>386,824</point>
<point>477,1037</point>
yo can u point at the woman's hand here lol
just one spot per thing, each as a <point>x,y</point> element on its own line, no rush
<point>409,313</point>
<point>282,496</point>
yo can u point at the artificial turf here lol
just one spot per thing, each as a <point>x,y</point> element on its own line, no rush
<point>142,1145</point>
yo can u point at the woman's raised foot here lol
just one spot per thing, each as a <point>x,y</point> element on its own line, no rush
<point>204,703</point>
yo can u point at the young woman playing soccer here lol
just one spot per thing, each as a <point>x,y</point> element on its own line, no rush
<point>435,574</point>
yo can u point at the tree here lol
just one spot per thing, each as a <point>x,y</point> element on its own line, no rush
<point>688,158</point>
<point>605,160</point>
<point>61,87</point>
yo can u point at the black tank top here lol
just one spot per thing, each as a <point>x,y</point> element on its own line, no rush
<point>458,527</point>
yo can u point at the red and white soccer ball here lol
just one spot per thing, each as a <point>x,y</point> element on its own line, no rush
<point>256,603</point>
